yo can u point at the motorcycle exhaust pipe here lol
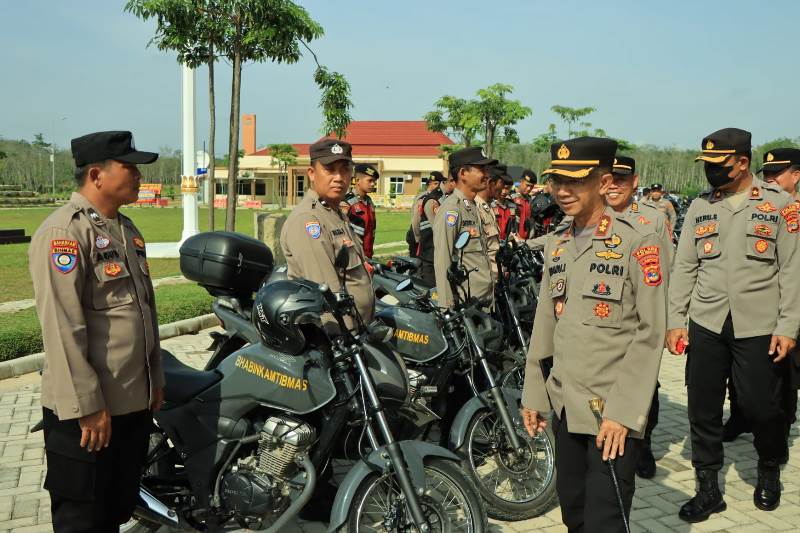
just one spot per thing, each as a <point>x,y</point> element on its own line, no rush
<point>302,500</point>
<point>150,508</point>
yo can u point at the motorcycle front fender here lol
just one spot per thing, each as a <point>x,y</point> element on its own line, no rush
<point>458,431</point>
<point>414,453</point>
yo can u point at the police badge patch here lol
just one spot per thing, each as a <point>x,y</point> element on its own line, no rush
<point>101,242</point>
<point>64,254</point>
<point>650,261</point>
<point>450,218</point>
<point>313,229</point>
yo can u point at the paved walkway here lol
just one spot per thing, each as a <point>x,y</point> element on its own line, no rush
<point>25,507</point>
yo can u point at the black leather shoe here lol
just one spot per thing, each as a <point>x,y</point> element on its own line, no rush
<point>708,499</point>
<point>767,495</point>
<point>735,426</point>
<point>646,466</point>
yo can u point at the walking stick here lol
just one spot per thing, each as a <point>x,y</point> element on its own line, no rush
<point>596,405</point>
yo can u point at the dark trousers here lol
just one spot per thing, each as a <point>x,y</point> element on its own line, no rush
<point>712,360</point>
<point>94,492</point>
<point>427,273</point>
<point>585,489</point>
<point>652,418</point>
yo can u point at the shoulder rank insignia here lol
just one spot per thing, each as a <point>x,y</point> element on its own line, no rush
<point>766,207</point>
<point>313,229</point>
<point>603,226</point>
<point>650,262</point>
<point>755,193</point>
<point>94,217</point>
<point>64,254</point>
<point>138,242</point>
<point>608,254</point>
<point>634,207</point>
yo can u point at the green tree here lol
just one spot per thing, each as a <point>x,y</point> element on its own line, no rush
<point>248,31</point>
<point>284,155</point>
<point>455,117</point>
<point>496,111</point>
<point>543,141</point>
<point>571,116</point>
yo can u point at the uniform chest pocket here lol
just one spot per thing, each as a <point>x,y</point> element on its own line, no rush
<point>601,302</point>
<point>113,287</point>
<point>706,238</point>
<point>761,241</point>
<point>474,244</point>
<point>353,259</point>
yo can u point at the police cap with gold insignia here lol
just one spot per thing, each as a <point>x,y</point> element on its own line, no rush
<point>720,145</point>
<point>779,159</point>
<point>529,176</point>
<point>473,156</point>
<point>329,150</point>
<point>105,145</point>
<point>437,176</point>
<point>369,170</point>
<point>656,187</point>
<point>576,158</point>
<point>624,165</point>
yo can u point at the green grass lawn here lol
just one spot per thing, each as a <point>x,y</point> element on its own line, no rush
<point>157,225</point>
<point>20,333</point>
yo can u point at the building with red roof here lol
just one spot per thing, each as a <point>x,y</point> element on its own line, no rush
<point>403,151</point>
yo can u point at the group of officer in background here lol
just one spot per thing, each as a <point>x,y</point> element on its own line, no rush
<point>614,291</point>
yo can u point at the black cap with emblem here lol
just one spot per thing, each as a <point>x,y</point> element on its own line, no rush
<point>656,187</point>
<point>576,158</point>
<point>329,150</point>
<point>105,145</point>
<point>473,156</point>
<point>528,176</point>
<point>498,171</point>
<point>720,145</point>
<point>779,159</point>
<point>624,165</point>
<point>369,170</point>
<point>437,176</point>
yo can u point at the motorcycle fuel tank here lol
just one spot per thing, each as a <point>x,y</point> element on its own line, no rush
<point>417,336</point>
<point>297,384</point>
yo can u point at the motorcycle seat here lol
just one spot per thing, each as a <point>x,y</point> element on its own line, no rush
<point>182,382</point>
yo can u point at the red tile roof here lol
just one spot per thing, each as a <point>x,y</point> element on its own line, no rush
<point>386,138</point>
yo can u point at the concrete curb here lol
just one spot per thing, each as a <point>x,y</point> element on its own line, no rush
<point>35,362</point>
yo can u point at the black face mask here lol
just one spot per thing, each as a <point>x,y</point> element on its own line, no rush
<point>718,175</point>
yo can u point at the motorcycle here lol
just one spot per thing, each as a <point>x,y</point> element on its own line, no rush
<point>447,348</point>
<point>245,442</point>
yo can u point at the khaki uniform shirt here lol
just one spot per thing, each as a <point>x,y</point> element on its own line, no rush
<point>647,215</point>
<point>415,215</point>
<point>666,207</point>
<point>602,316</point>
<point>739,260</point>
<point>96,305</point>
<point>456,215</point>
<point>311,238</point>
<point>491,232</point>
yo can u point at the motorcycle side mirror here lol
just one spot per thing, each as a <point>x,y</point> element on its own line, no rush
<point>462,240</point>
<point>404,285</point>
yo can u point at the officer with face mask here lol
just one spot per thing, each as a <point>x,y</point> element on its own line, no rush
<point>732,285</point>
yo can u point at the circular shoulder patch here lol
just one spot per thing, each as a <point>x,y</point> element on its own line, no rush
<point>313,229</point>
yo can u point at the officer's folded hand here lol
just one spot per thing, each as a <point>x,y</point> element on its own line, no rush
<point>95,430</point>
<point>611,438</point>
<point>534,422</point>
<point>783,345</point>
<point>675,335</point>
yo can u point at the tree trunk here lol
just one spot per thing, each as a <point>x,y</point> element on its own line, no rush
<point>490,140</point>
<point>233,145</point>
<point>212,108</point>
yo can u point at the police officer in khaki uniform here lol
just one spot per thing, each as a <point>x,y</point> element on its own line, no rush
<point>102,373</point>
<point>602,316</point>
<point>620,198</point>
<point>413,235</point>
<point>485,199</point>
<point>429,206</point>
<point>316,230</point>
<point>460,213</point>
<point>657,200</point>
<point>733,279</point>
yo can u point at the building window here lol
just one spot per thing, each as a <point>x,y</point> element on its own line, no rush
<point>396,185</point>
<point>243,188</point>
<point>261,188</point>
<point>221,187</point>
<point>300,185</point>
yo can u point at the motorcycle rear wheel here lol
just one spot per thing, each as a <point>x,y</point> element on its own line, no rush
<point>451,503</point>
<point>514,486</point>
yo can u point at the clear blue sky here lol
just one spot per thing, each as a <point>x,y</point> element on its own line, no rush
<point>663,73</point>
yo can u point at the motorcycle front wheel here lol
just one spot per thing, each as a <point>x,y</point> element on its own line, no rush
<point>515,485</point>
<point>450,503</point>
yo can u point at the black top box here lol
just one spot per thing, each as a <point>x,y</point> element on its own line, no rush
<point>226,263</point>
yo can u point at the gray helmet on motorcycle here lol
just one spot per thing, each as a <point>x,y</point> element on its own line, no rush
<point>281,308</point>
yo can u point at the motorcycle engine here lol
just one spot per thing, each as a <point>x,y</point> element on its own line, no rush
<point>256,487</point>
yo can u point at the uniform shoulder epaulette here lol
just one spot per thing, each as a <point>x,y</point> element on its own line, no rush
<point>352,199</point>
<point>633,221</point>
